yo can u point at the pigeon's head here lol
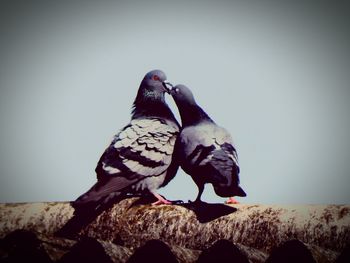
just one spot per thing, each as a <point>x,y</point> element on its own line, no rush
<point>155,83</point>
<point>150,98</point>
<point>182,95</point>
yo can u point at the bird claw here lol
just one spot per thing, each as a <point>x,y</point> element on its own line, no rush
<point>161,200</point>
<point>231,200</point>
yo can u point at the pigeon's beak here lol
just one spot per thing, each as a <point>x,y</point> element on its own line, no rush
<point>172,91</point>
<point>166,85</point>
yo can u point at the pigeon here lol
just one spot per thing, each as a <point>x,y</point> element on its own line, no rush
<point>205,150</point>
<point>139,159</point>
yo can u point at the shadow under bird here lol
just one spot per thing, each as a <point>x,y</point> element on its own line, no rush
<point>204,150</point>
<point>139,158</point>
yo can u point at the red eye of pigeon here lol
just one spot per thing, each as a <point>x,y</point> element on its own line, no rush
<point>155,77</point>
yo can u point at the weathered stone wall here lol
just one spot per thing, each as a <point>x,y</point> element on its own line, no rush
<point>255,229</point>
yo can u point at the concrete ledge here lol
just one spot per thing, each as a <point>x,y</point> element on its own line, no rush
<point>255,229</point>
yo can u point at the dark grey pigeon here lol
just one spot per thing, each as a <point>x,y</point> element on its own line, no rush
<point>139,158</point>
<point>204,150</point>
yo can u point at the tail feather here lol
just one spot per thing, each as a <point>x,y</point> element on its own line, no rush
<point>240,192</point>
<point>85,213</point>
<point>104,190</point>
<point>95,194</point>
<point>228,191</point>
<point>225,167</point>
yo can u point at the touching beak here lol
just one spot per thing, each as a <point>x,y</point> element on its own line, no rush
<point>166,84</point>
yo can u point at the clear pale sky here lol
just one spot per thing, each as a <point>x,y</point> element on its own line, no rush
<point>275,75</point>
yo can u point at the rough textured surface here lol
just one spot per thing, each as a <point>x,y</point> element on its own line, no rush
<point>255,229</point>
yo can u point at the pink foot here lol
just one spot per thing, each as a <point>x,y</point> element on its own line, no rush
<point>231,200</point>
<point>161,200</point>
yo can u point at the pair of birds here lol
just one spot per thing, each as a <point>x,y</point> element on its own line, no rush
<point>145,154</point>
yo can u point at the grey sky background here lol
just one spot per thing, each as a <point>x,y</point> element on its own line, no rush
<point>276,75</point>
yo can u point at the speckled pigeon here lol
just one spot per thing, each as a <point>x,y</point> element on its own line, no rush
<point>204,150</point>
<point>139,158</point>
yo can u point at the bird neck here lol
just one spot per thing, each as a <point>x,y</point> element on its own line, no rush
<point>192,115</point>
<point>151,106</point>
